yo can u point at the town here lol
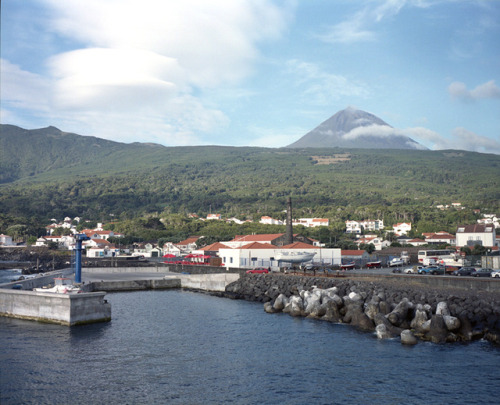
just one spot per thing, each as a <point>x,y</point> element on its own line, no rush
<point>375,243</point>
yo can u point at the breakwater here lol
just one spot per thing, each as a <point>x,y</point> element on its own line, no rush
<point>392,307</point>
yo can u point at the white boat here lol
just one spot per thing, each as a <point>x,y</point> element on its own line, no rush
<point>294,257</point>
<point>62,286</point>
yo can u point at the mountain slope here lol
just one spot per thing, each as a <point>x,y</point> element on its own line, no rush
<point>351,128</point>
<point>26,153</point>
<point>70,175</point>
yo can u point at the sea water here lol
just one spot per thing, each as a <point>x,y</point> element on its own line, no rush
<point>179,347</point>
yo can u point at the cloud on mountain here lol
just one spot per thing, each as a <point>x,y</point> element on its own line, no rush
<point>488,90</point>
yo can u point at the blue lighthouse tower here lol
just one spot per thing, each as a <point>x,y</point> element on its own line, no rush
<point>78,256</point>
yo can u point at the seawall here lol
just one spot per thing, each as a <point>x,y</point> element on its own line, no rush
<point>476,311</point>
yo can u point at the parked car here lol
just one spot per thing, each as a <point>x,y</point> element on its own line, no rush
<point>258,270</point>
<point>495,273</point>
<point>412,270</point>
<point>434,270</point>
<point>484,272</point>
<point>464,271</point>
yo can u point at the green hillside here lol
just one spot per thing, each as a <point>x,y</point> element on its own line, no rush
<point>47,173</point>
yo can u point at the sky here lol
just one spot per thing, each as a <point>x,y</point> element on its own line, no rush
<point>252,72</point>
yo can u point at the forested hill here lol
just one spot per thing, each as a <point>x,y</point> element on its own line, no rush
<point>47,173</point>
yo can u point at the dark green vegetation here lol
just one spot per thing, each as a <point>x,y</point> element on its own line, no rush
<point>46,173</point>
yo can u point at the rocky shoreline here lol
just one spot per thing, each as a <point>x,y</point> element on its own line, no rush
<point>33,260</point>
<point>388,307</point>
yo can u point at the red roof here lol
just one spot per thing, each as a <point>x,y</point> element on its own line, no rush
<point>299,245</point>
<point>214,247</point>
<point>191,239</point>
<point>257,238</point>
<point>257,245</point>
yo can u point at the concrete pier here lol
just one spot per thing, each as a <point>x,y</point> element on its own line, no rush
<point>63,309</point>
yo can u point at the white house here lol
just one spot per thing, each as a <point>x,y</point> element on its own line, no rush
<point>489,219</point>
<point>270,221</point>
<point>378,242</point>
<point>214,216</point>
<point>477,234</point>
<point>439,238</point>
<point>401,228</point>
<point>102,252</point>
<point>256,254</point>
<point>6,240</point>
<point>371,225</point>
<point>311,222</point>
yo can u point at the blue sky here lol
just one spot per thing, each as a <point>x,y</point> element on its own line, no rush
<point>252,72</point>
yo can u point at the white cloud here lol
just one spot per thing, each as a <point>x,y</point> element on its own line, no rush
<point>137,70</point>
<point>22,89</point>
<point>359,26</point>
<point>461,139</point>
<point>486,90</point>
<point>320,87</point>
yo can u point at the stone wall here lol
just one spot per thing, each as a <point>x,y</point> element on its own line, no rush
<point>387,306</point>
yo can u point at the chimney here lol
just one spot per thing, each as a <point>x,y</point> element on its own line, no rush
<point>289,231</point>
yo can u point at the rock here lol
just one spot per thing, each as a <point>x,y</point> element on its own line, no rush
<point>452,323</point>
<point>353,296</point>
<point>408,338</point>
<point>269,308</point>
<point>400,312</point>
<point>382,332</point>
<point>419,319</point>
<point>332,313</point>
<point>465,331</point>
<point>296,306</point>
<point>394,331</point>
<point>280,302</point>
<point>442,308</point>
<point>438,331</point>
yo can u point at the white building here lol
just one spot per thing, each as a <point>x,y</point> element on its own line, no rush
<point>402,228</point>
<point>270,221</point>
<point>472,235</point>
<point>372,225</point>
<point>311,222</point>
<point>489,219</point>
<point>6,240</point>
<point>256,254</point>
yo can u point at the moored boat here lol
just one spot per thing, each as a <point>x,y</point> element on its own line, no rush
<point>62,285</point>
<point>294,257</point>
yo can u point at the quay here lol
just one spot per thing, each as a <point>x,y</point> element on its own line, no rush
<point>18,300</point>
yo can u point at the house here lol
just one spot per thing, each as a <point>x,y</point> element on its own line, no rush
<point>171,248</point>
<point>270,221</point>
<point>214,216</point>
<point>276,239</point>
<point>6,240</point>
<point>489,219</point>
<point>378,242</point>
<point>311,222</point>
<point>258,254</point>
<point>401,228</point>
<point>212,250</point>
<point>189,244</point>
<point>416,242</point>
<point>372,225</point>
<point>147,250</point>
<point>100,234</point>
<point>99,243</point>
<point>106,251</point>
<point>477,234</point>
<point>440,238</point>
